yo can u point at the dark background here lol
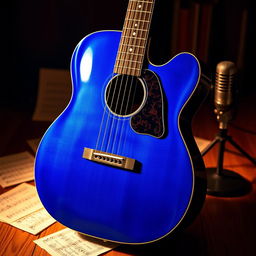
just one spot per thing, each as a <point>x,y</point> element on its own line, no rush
<point>44,33</point>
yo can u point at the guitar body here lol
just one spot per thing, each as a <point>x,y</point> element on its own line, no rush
<point>127,206</point>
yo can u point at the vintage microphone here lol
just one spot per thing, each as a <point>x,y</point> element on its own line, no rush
<point>222,182</point>
<point>224,92</point>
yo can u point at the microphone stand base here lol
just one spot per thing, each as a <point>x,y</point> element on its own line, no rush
<point>227,184</point>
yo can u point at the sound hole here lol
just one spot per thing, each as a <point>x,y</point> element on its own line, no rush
<point>125,95</point>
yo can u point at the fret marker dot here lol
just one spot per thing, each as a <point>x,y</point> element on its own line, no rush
<point>139,6</point>
<point>130,50</point>
<point>136,25</point>
<point>134,33</point>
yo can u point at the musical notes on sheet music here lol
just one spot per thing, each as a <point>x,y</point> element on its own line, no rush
<point>21,207</point>
<point>68,242</point>
<point>34,222</point>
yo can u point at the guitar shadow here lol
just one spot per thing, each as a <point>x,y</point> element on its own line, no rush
<point>177,245</point>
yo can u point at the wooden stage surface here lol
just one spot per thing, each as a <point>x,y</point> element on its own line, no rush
<point>225,226</point>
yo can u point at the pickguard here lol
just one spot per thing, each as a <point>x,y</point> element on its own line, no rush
<point>150,120</point>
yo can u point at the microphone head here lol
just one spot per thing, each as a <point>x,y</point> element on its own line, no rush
<point>226,68</point>
<point>224,85</point>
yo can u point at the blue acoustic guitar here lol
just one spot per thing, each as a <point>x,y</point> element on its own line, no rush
<point>120,163</point>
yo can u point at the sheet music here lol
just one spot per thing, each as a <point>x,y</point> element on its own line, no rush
<point>34,222</point>
<point>33,143</point>
<point>53,94</point>
<point>21,208</point>
<point>201,143</point>
<point>19,202</point>
<point>16,168</point>
<point>68,242</point>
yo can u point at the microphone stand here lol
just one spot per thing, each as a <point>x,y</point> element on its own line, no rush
<point>222,182</point>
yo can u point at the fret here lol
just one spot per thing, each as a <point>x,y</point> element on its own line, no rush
<point>133,45</point>
<point>142,33</point>
<point>128,71</point>
<point>126,65</point>
<point>135,38</point>
<point>129,47</point>
<point>129,60</point>
<point>131,57</point>
<point>139,4</point>
<point>140,15</point>
<point>142,1</point>
<point>137,54</point>
<point>132,10</point>
<point>126,45</point>
<point>142,20</point>
<point>138,20</point>
<point>130,42</point>
<point>140,29</point>
<point>135,34</point>
<point>131,68</point>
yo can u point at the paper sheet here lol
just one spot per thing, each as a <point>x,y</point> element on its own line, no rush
<point>33,143</point>
<point>201,143</point>
<point>21,208</point>
<point>53,94</point>
<point>34,222</point>
<point>68,242</point>
<point>16,168</point>
<point>19,202</point>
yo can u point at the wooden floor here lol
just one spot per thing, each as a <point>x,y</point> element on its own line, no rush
<point>225,226</point>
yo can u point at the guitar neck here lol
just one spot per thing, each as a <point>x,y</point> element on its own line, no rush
<point>134,38</point>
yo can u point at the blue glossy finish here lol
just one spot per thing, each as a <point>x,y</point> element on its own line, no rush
<point>107,202</point>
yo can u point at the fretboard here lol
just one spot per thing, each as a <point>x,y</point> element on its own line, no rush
<point>134,38</point>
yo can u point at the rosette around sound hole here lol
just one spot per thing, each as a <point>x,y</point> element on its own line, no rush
<point>125,95</point>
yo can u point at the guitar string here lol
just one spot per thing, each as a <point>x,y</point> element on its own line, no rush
<point>116,82</point>
<point>137,56</point>
<point>148,8</point>
<point>123,86</point>
<point>144,20</point>
<point>107,97</point>
<point>138,17</point>
<point>106,110</point>
<point>115,118</point>
<point>105,107</point>
<point>128,42</point>
<point>145,37</point>
<point>109,112</point>
<point>103,116</point>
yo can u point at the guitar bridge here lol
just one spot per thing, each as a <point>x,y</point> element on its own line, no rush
<point>110,159</point>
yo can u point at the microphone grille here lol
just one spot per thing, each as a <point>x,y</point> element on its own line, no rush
<point>224,81</point>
